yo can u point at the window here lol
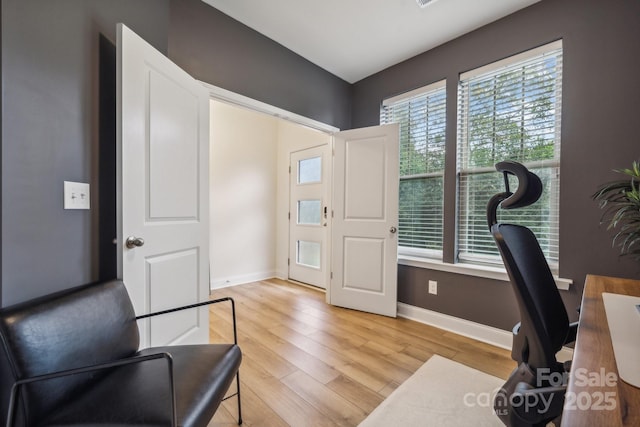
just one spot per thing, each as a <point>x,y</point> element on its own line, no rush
<point>509,110</point>
<point>421,116</point>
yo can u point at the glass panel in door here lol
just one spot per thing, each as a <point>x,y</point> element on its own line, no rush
<point>310,170</point>
<point>309,212</point>
<point>309,254</point>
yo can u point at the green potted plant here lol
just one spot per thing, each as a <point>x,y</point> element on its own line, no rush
<point>620,201</point>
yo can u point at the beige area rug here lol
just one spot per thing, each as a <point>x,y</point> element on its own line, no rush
<point>441,393</point>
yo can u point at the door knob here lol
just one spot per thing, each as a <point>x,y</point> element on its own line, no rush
<point>393,230</point>
<point>133,242</point>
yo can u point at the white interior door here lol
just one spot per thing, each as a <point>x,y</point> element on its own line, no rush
<point>163,191</point>
<point>364,227</point>
<point>308,215</point>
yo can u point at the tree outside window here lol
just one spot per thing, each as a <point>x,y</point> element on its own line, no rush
<point>422,154</point>
<point>512,113</point>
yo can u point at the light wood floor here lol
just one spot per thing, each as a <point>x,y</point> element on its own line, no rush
<point>306,363</point>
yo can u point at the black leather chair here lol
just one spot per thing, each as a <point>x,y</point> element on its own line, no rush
<point>534,393</point>
<point>72,358</point>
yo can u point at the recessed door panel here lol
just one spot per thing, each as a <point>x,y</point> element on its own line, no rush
<point>364,264</point>
<point>172,281</point>
<point>365,190</point>
<point>173,150</point>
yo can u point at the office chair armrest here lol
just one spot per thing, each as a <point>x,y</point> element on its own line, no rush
<point>90,368</point>
<point>200,304</point>
<point>573,331</point>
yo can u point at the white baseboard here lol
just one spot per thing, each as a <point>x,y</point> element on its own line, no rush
<point>224,282</point>
<point>467,328</point>
<point>488,334</point>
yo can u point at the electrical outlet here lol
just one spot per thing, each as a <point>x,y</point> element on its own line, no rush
<point>433,287</point>
<point>76,195</point>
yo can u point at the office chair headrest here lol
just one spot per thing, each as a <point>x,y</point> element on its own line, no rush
<point>529,185</point>
<point>528,192</point>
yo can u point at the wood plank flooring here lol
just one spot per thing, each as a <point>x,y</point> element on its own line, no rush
<point>306,363</point>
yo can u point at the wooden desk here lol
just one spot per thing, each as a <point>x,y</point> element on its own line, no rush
<point>594,352</point>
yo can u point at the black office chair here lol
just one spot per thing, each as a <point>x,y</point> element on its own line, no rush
<point>534,393</point>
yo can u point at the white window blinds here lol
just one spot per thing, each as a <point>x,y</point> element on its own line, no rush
<point>509,110</point>
<point>421,116</point>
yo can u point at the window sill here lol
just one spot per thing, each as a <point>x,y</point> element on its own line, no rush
<point>494,273</point>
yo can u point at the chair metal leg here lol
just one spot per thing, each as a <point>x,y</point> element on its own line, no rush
<point>238,394</point>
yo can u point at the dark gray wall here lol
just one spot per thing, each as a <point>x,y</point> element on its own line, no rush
<point>601,101</point>
<point>50,57</point>
<point>218,50</point>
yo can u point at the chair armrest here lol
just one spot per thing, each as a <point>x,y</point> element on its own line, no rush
<point>84,369</point>
<point>200,304</point>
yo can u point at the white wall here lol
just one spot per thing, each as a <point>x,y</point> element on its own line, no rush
<point>249,184</point>
<point>243,194</point>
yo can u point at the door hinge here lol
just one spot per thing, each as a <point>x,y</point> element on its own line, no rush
<point>288,261</point>
<point>331,213</point>
<point>289,169</point>
<point>289,215</point>
<point>331,275</point>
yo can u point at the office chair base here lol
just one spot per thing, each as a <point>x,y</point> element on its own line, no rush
<point>524,402</point>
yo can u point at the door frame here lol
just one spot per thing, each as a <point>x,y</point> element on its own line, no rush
<point>223,95</point>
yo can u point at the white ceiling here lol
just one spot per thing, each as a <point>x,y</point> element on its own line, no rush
<point>356,38</point>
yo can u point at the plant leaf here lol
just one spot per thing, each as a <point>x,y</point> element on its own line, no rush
<point>620,204</point>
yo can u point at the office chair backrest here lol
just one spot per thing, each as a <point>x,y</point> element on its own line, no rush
<point>544,324</point>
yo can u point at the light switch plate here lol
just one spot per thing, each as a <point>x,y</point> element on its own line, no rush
<point>76,195</point>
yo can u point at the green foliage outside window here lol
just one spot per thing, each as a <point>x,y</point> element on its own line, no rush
<point>422,157</point>
<point>509,115</point>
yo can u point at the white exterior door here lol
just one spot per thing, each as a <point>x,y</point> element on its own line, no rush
<point>308,215</point>
<point>364,228</point>
<point>163,191</point>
